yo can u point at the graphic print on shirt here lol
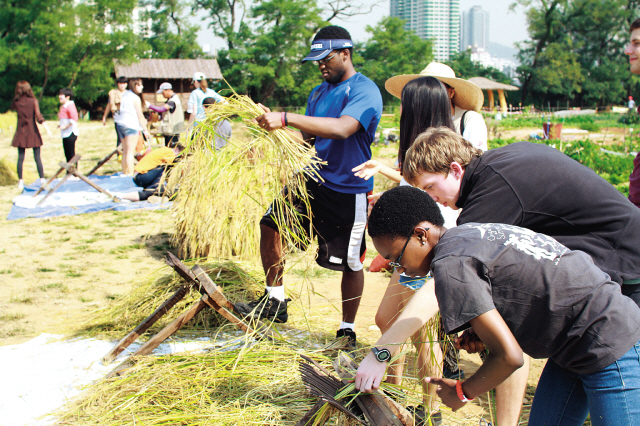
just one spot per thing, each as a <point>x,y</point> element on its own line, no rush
<point>531,243</point>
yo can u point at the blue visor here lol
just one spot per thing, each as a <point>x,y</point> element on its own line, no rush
<point>321,48</point>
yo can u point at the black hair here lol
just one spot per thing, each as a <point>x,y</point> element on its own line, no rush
<point>66,92</point>
<point>122,79</point>
<point>334,32</point>
<point>425,104</point>
<point>208,101</point>
<point>635,25</point>
<point>401,209</point>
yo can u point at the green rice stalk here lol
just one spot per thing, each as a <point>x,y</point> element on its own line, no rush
<point>238,281</point>
<point>261,387</point>
<point>223,194</point>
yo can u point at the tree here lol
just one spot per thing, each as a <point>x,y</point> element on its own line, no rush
<point>172,35</point>
<point>392,50</point>
<point>575,50</point>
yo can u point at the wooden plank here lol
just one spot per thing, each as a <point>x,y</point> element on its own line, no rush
<point>155,341</point>
<point>73,171</point>
<point>104,160</point>
<point>73,160</point>
<point>144,325</point>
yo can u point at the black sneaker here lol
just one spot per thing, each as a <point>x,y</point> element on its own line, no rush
<point>453,375</point>
<point>351,342</point>
<point>421,418</point>
<point>265,307</point>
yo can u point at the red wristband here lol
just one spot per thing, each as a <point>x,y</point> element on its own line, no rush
<point>284,119</point>
<point>460,393</point>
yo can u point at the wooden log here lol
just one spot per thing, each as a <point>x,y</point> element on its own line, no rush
<point>104,160</point>
<point>144,325</point>
<point>309,418</point>
<point>63,180</point>
<point>73,160</point>
<point>155,341</point>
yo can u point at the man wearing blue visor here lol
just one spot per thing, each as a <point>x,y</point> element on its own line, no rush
<point>340,121</point>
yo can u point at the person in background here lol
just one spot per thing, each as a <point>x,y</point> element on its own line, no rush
<point>149,171</point>
<point>68,116</point>
<point>223,130</point>
<point>133,122</point>
<point>172,115</point>
<point>113,107</point>
<point>201,91</point>
<point>631,104</point>
<point>27,134</point>
<point>633,51</point>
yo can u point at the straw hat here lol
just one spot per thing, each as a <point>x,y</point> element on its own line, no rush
<point>468,95</point>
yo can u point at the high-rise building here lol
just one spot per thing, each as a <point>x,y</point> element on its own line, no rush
<point>437,20</point>
<point>474,31</point>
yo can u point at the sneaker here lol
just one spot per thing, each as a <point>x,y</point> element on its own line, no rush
<point>421,418</point>
<point>453,375</point>
<point>265,307</point>
<point>20,185</point>
<point>351,342</point>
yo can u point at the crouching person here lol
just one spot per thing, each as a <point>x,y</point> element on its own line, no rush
<point>149,171</point>
<point>522,292</point>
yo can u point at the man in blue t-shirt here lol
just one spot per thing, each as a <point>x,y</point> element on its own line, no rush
<point>340,121</point>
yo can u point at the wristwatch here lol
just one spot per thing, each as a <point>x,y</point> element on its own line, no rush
<point>382,355</point>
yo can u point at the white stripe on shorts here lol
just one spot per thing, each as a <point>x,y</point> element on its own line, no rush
<point>357,232</point>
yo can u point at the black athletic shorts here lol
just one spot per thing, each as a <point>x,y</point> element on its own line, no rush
<point>339,222</point>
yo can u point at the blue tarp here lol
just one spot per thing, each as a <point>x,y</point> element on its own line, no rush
<point>117,183</point>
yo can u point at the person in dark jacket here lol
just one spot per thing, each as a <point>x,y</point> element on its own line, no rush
<point>27,134</point>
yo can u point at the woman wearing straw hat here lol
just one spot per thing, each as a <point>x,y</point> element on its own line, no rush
<point>466,100</point>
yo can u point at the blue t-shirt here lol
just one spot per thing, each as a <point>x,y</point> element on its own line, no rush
<point>357,97</point>
<point>195,102</point>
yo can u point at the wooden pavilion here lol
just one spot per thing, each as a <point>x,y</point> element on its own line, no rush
<point>178,72</point>
<point>490,86</point>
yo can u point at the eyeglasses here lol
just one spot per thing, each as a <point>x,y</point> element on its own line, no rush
<point>396,263</point>
<point>325,61</point>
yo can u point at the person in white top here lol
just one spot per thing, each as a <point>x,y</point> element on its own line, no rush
<point>133,122</point>
<point>200,93</point>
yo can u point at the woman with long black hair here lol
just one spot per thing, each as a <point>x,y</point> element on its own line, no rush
<point>27,134</point>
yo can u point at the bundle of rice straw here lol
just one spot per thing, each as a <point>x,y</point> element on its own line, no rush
<point>223,194</point>
<point>238,281</point>
<point>8,175</point>
<point>260,386</point>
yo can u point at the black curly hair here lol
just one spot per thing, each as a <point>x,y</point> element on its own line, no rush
<point>401,209</point>
<point>334,32</point>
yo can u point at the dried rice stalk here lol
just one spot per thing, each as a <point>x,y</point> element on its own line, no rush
<point>223,194</point>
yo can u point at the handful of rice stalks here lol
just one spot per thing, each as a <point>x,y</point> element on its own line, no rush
<point>236,280</point>
<point>224,193</point>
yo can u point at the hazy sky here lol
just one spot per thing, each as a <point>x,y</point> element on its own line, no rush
<point>505,27</point>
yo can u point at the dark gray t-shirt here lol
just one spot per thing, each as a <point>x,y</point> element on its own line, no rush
<point>556,302</point>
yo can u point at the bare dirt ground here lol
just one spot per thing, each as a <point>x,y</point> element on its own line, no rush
<point>56,271</point>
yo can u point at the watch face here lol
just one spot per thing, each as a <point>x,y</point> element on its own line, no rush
<point>382,355</point>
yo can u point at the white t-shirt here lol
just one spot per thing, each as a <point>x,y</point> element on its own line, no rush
<point>475,130</point>
<point>195,102</point>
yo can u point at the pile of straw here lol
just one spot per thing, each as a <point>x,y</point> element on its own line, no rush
<point>259,386</point>
<point>237,281</point>
<point>223,194</point>
<point>8,175</point>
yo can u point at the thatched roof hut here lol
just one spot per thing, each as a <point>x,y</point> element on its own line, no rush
<point>178,72</point>
<point>490,86</point>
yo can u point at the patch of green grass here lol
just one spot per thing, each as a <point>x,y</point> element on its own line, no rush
<point>18,274</point>
<point>81,247</point>
<point>46,270</point>
<point>90,240</point>
<point>314,272</point>
<point>122,256</point>
<point>112,296</point>
<point>111,271</point>
<point>11,317</point>
<point>81,226</point>
<point>21,299</point>
<point>15,331</point>
<point>85,299</point>
<point>54,286</point>
<point>104,235</point>
<point>73,273</point>
<point>64,239</point>
<point>46,231</point>
<point>6,271</point>
<point>124,249</point>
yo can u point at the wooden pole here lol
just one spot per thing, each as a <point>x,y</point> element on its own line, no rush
<point>491,101</point>
<point>73,160</point>
<point>503,101</point>
<point>104,160</point>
